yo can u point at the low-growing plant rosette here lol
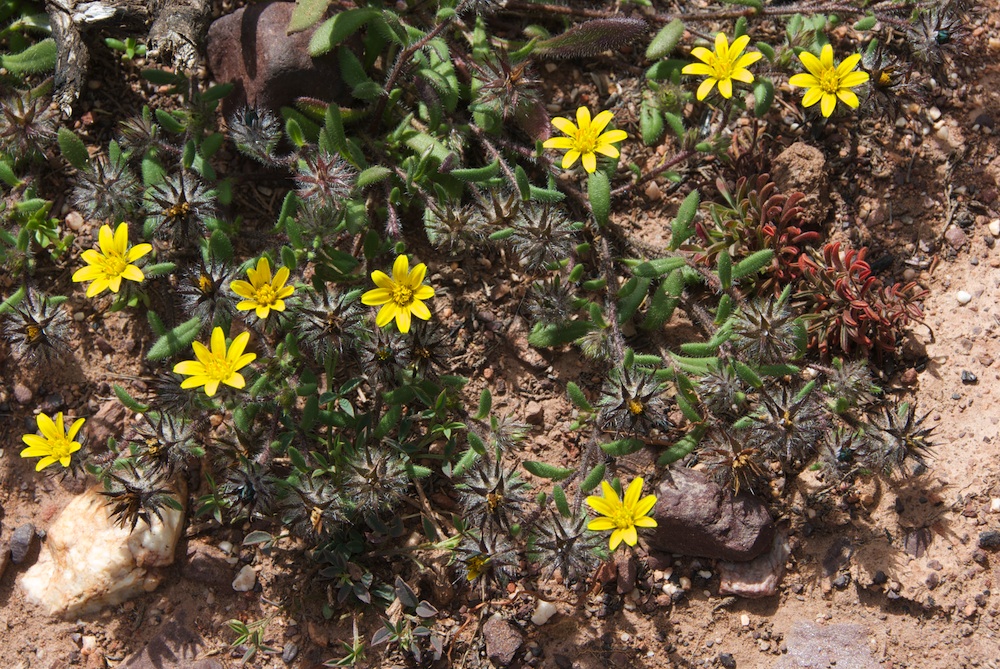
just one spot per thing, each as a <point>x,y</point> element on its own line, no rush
<point>54,443</point>
<point>218,365</point>
<point>114,263</point>
<point>586,138</point>
<point>401,296</point>
<point>621,516</point>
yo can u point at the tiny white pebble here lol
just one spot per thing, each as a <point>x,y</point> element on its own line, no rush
<point>995,505</point>
<point>745,620</point>
<point>543,612</point>
<point>934,113</point>
<point>963,297</point>
<point>78,316</point>
<point>705,574</point>
<point>995,227</point>
<point>226,547</point>
<point>625,637</point>
<point>245,580</point>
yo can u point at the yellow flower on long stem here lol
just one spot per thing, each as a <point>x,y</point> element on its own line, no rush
<point>54,444</point>
<point>217,365</point>
<point>826,82</point>
<point>585,138</point>
<point>107,269</point>
<point>727,64</point>
<point>401,295</point>
<point>622,516</point>
<point>262,293</point>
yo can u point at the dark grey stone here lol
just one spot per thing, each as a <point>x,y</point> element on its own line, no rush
<point>727,660</point>
<point>989,539</point>
<point>697,517</point>
<point>22,543</point>
<point>269,68</point>
<point>502,640</point>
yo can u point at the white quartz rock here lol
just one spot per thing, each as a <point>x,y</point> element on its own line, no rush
<point>543,611</point>
<point>88,562</point>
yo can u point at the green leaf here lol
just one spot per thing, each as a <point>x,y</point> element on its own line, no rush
<point>547,471</point>
<point>666,40</point>
<point>72,148</point>
<point>749,376</point>
<point>523,185</point>
<point>630,296</point>
<point>7,175</point>
<point>725,270</point>
<point>546,336</point>
<point>125,398</point>
<point>866,23</point>
<point>661,307</point>
<point>658,267</point>
<point>306,14</point>
<point>176,340</point>
<point>559,495</point>
<point>681,227</point>
<point>621,447</point>
<point>467,460</point>
<point>755,4</point>
<point>675,122</point>
<point>599,193</point>
<point>373,175</point>
<point>577,397</point>
<point>724,309</point>
<point>763,97</point>
<point>338,28</point>
<point>753,263</point>
<point>477,174</point>
<point>297,459</point>
<point>169,122</point>
<point>39,57</point>
<point>294,132</point>
<point>13,300</point>
<point>767,50</point>
<point>476,443</point>
<point>650,123</point>
<point>594,478</point>
<point>485,404</point>
<point>257,537</point>
<point>683,447</point>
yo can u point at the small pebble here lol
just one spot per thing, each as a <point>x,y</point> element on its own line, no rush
<point>968,377</point>
<point>245,580</point>
<point>994,227</point>
<point>934,113</point>
<point>963,297</point>
<point>727,660</point>
<point>543,612</point>
<point>989,539</point>
<point>995,505</point>
<point>745,620</point>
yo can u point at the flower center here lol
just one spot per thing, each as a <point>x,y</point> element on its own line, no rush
<point>217,368</point>
<point>266,295</point>
<point>622,518</point>
<point>635,407</point>
<point>205,284</point>
<point>34,332</point>
<point>829,81</point>
<point>722,68</point>
<point>60,448</point>
<point>113,264</point>
<point>402,295</point>
<point>476,565</point>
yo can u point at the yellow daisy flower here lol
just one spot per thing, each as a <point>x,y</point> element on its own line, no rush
<point>826,82</point>
<point>585,138</point>
<point>54,444</point>
<point>107,269</point>
<point>401,295</point>
<point>622,517</point>
<point>727,64</point>
<point>218,365</point>
<point>262,293</point>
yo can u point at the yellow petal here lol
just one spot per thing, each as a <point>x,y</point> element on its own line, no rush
<point>570,158</point>
<point>238,346</point>
<point>645,521</point>
<point>848,64</point>
<point>632,493</point>
<point>827,104</point>
<point>721,45</point>
<point>420,310</point>
<point>564,125</point>
<point>853,79</point>
<point>726,88</point>
<point>218,343</point>
<point>280,277</point>
<point>423,293</point>
<point>285,292</point>
<point>99,285</point>
<point>812,96</point>
<point>262,311</point>
<point>44,462</point>
<point>386,314</point>
<point>705,88</point>
<point>610,495</point>
<point>744,76</point>
<point>137,251</point>
<point>246,305</point>
<point>601,524</point>
<point>607,150</point>
<point>613,136</point>
<point>88,273</point>
<point>416,276</point>
<point>644,505</point>
<point>263,271</point>
<point>48,428</point>
<point>236,380</point>
<point>401,269</point>
<point>382,280</point>
<point>848,98</point>
<point>590,162</point>
<point>601,505</point>
<point>189,368</point>
<point>739,44</point>
<point>558,143</point>
<point>697,69</point>
<point>243,289</point>
<point>115,283</point>
<point>121,238</point>
<point>92,257</point>
<point>278,305</point>
<point>106,240</point>
<point>583,118</point>
<point>403,320</point>
<point>244,360</point>
<point>826,57</point>
<point>811,63</point>
<point>194,382</point>
<point>133,273</point>
<point>201,352</point>
<point>616,538</point>
<point>75,427</point>
<point>747,60</point>
<point>630,536</point>
<point>34,443</point>
<point>601,121</point>
<point>703,54</point>
<point>211,386</point>
<point>376,296</point>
